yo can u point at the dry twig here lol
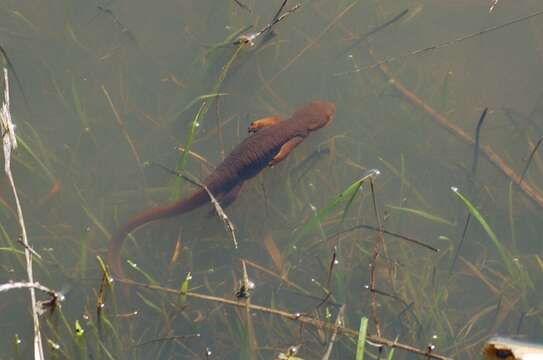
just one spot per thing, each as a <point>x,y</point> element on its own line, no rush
<point>10,143</point>
<point>300,318</point>
<point>340,319</point>
<point>531,192</point>
<point>28,285</point>
<point>229,225</point>
<point>250,38</point>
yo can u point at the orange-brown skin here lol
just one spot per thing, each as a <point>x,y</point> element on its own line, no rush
<point>271,142</point>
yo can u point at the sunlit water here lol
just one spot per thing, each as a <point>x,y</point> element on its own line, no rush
<point>114,86</point>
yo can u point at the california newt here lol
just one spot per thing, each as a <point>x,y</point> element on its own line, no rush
<point>272,140</point>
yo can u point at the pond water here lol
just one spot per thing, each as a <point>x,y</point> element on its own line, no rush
<point>106,93</point>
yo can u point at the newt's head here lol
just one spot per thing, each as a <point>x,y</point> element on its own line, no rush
<point>316,114</point>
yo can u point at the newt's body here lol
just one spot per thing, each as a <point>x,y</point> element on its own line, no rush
<point>271,142</point>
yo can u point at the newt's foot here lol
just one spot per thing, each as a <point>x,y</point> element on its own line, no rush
<point>261,123</point>
<point>285,150</point>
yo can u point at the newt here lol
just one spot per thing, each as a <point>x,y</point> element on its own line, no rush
<point>271,141</point>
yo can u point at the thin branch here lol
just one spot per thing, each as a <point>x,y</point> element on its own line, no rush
<point>300,318</point>
<point>441,45</point>
<point>29,285</point>
<point>29,248</point>
<point>229,225</point>
<point>531,192</point>
<point>370,227</point>
<point>278,13</point>
<point>282,278</point>
<point>168,338</point>
<point>121,125</point>
<point>197,156</point>
<point>250,38</point>
<point>9,144</point>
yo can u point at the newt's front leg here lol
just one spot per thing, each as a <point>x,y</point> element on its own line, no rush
<point>259,124</point>
<point>285,150</point>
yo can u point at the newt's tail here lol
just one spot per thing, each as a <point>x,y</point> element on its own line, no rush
<point>176,208</point>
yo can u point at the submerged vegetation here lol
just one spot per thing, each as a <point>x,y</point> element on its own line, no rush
<point>330,257</point>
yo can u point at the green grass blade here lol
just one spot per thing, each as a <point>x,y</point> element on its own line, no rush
<point>405,181</point>
<point>444,98</point>
<point>539,262</point>
<point>391,351</point>
<point>350,202</point>
<point>346,195</point>
<point>502,251</point>
<point>148,277</point>
<point>12,250</point>
<point>91,216</point>
<point>79,331</point>
<point>511,216</point>
<point>423,214</point>
<point>196,100</point>
<point>149,303</point>
<point>183,291</point>
<point>204,106</point>
<point>80,341</point>
<point>226,42</point>
<point>24,145</point>
<point>78,105</point>
<point>105,271</point>
<point>361,344</point>
<point>188,145</point>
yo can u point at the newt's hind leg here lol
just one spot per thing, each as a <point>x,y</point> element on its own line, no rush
<point>285,150</point>
<point>261,123</point>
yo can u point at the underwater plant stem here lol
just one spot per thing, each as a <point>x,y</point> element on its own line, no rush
<point>379,243</point>
<point>373,31</point>
<point>220,137</point>
<point>200,114</point>
<point>243,6</point>
<point>373,228</point>
<point>477,142</point>
<point>315,40</point>
<point>525,171</point>
<point>122,126</point>
<point>440,45</point>
<point>340,319</point>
